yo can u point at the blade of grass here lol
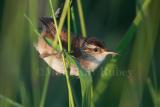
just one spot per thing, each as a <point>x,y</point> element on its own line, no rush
<point>45,87</point>
<point>32,25</point>
<point>24,95</point>
<point>86,83</point>
<point>142,55</point>
<point>55,23</point>
<point>85,76</point>
<point>111,65</point>
<point>131,31</point>
<point>43,97</point>
<point>10,66</point>
<point>153,88</point>
<point>13,103</point>
<point>45,84</point>
<point>34,70</point>
<point>154,73</point>
<point>154,93</point>
<point>74,20</point>
<point>86,89</point>
<point>82,21</point>
<point>104,78</point>
<point>69,30</point>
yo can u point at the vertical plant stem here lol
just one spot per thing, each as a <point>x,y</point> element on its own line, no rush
<point>35,74</point>
<point>153,92</point>
<point>82,22</point>
<point>55,22</point>
<point>24,94</point>
<point>53,14</point>
<point>45,87</point>
<point>74,20</point>
<point>48,73</point>
<point>69,30</point>
<point>86,81</point>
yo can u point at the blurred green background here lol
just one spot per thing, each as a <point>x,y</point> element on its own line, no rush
<point>131,28</point>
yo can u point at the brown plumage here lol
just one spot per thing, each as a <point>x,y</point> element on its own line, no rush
<point>77,42</point>
<point>88,51</point>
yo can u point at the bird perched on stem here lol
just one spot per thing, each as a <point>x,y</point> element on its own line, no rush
<point>89,52</point>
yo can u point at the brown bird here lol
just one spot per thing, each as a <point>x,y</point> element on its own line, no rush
<point>89,52</point>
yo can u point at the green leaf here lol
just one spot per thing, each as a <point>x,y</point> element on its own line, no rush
<point>86,83</point>
<point>111,65</point>
<point>13,103</point>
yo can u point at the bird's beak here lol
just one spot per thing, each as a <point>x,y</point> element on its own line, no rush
<point>111,53</point>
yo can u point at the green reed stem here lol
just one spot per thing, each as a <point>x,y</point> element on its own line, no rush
<point>82,21</point>
<point>45,87</point>
<point>13,103</point>
<point>74,20</point>
<point>32,25</point>
<point>69,30</point>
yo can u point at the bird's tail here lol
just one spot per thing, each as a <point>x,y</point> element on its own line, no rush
<point>48,27</point>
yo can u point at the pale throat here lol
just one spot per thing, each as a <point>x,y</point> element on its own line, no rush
<point>91,62</point>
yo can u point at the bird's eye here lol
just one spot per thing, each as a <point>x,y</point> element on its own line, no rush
<point>95,50</point>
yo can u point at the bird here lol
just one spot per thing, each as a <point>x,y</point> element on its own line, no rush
<point>89,52</point>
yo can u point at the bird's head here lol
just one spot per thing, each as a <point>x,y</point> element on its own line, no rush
<point>96,49</point>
